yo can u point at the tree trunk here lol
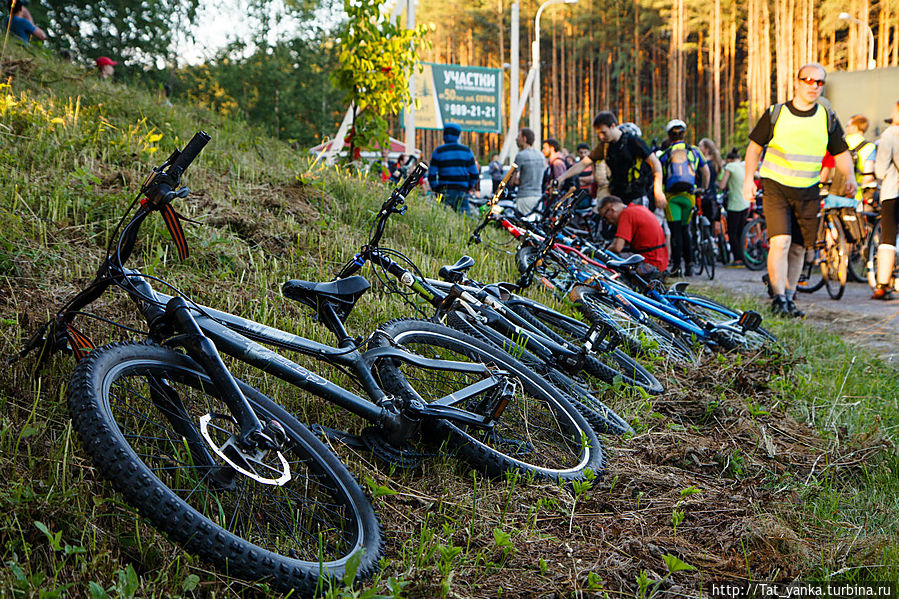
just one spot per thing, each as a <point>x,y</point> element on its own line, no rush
<point>638,112</point>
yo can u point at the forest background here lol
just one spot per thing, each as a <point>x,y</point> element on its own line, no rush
<point>714,63</point>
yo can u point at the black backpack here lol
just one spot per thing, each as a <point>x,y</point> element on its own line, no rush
<point>639,176</point>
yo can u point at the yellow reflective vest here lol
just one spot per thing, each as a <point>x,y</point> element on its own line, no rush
<point>798,145</point>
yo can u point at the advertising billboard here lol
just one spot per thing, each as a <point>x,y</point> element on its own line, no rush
<point>468,96</point>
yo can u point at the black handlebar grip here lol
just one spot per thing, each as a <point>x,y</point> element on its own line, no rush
<point>188,154</point>
<point>411,181</point>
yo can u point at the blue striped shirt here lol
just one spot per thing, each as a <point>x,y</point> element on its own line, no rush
<point>453,168</point>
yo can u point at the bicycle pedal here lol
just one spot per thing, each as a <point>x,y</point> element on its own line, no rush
<point>750,321</point>
<point>602,338</point>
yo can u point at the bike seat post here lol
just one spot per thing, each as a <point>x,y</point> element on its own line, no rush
<point>334,324</point>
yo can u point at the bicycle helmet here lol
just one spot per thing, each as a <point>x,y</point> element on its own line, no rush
<point>675,124</point>
<point>631,128</point>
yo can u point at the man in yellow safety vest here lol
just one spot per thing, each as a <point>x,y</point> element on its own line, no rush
<point>796,136</point>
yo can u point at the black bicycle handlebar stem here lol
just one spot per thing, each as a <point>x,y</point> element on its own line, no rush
<point>500,189</point>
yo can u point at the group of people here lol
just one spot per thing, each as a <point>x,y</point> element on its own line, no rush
<point>649,196</point>
<point>21,26</point>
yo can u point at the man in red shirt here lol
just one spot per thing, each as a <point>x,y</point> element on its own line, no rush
<point>637,227</point>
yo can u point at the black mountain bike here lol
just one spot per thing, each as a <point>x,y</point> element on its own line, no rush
<point>511,324</point>
<point>232,476</point>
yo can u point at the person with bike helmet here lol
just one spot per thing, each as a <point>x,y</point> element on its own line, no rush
<point>886,168</point>
<point>681,163</point>
<point>795,136</point>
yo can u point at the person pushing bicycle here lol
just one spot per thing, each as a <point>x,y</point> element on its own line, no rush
<point>797,134</point>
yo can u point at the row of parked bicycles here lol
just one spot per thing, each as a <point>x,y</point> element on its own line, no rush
<point>176,421</point>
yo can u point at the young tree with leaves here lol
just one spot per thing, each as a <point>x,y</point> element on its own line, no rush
<point>376,58</point>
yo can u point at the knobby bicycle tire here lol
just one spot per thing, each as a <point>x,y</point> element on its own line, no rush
<point>600,416</point>
<point>715,312</point>
<point>835,257</point>
<point>539,430</point>
<point>564,330</point>
<point>639,337</point>
<point>136,408</point>
<point>754,239</point>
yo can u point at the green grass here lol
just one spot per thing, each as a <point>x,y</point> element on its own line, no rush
<point>790,456</point>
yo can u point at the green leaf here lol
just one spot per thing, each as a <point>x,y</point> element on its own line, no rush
<point>190,583</point>
<point>675,564</point>
<point>96,591</point>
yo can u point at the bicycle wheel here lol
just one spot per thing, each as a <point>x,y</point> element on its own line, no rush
<point>524,257</point>
<point>155,427</point>
<point>810,279</point>
<point>696,244</point>
<point>716,313</point>
<point>602,418</point>
<point>571,332</point>
<point>723,248</point>
<point>539,430</point>
<point>639,338</point>
<point>754,240</point>
<point>708,252</point>
<point>834,258</point>
<point>858,261</point>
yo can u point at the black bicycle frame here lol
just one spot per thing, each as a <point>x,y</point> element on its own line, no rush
<point>506,324</point>
<point>238,337</point>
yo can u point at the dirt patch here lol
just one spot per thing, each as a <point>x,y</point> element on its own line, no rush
<point>710,478</point>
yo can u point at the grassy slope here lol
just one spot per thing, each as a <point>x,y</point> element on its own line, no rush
<point>792,456</point>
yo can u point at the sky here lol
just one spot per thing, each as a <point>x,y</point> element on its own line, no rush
<point>222,21</point>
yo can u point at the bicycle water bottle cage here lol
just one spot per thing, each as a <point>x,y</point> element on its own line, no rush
<point>628,264</point>
<point>341,294</point>
<point>455,273</point>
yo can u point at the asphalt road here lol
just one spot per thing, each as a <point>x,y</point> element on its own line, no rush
<point>856,317</point>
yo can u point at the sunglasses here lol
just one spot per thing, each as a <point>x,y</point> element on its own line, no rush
<point>812,81</point>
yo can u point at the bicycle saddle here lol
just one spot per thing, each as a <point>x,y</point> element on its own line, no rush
<point>456,272</point>
<point>342,294</point>
<point>628,263</point>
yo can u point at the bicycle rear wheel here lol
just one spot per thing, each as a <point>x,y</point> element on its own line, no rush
<point>754,240</point>
<point>139,410</point>
<point>835,257</point>
<point>858,261</point>
<point>716,313</point>
<point>539,430</point>
<point>564,330</point>
<point>639,337</point>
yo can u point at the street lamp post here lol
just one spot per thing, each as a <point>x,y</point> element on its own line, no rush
<point>535,52</point>
<point>845,16</point>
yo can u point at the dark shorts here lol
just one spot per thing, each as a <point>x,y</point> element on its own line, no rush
<point>791,211</point>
